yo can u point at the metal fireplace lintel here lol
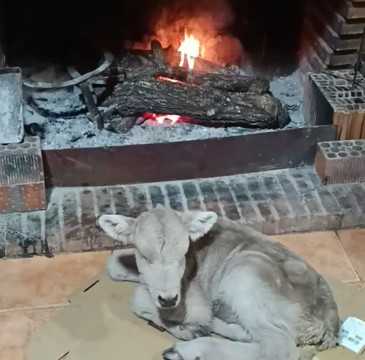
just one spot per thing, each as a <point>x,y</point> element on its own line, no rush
<point>184,160</point>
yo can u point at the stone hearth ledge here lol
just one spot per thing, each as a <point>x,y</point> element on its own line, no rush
<point>274,202</point>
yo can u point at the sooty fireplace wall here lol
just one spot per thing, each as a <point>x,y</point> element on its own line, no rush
<point>265,34</point>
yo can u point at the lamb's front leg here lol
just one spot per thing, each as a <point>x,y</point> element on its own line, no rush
<point>121,266</point>
<point>143,306</point>
<point>207,348</point>
<point>230,331</point>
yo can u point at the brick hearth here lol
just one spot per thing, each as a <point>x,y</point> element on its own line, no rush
<point>274,202</point>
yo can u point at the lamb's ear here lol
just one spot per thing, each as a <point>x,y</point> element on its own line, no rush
<point>118,227</point>
<point>200,222</point>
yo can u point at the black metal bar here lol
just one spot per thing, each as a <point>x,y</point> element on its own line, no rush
<point>94,113</point>
<point>359,58</point>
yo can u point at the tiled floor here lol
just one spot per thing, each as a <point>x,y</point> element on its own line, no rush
<point>31,290</point>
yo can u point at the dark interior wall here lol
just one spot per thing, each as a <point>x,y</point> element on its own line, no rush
<point>53,29</point>
<point>1,36</point>
<point>269,31</point>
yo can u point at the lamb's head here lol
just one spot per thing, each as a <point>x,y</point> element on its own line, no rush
<point>161,238</point>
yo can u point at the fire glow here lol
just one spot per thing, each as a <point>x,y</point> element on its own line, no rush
<point>189,50</point>
<point>163,119</point>
<point>172,118</point>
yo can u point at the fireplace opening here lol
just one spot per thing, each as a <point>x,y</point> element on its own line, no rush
<point>199,69</point>
<point>257,32</point>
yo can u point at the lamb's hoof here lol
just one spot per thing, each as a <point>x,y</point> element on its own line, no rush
<point>171,354</point>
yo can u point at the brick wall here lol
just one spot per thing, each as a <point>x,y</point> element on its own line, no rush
<point>332,33</point>
<point>273,202</point>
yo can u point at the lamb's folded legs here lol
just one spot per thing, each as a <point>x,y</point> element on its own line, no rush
<point>121,266</point>
<point>230,331</point>
<point>207,348</point>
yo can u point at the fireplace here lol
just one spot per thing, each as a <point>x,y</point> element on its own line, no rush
<point>118,106</point>
<point>168,75</point>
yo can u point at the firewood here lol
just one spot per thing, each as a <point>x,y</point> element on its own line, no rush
<point>150,85</point>
<point>134,98</point>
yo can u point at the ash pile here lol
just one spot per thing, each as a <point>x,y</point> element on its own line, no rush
<point>140,98</point>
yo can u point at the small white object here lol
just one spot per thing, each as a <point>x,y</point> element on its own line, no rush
<point>352,334</point>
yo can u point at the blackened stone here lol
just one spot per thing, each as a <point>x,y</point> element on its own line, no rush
<point>103,201</point>
<point>157,196</point>
<point>240,191</point>
<point>175,197</point>
<point>301,213</point>
<point>90,238</point>
<point>271,218</point>
<point>210,197</point>
<point>285,212</point>
<point>347,201</point>
<point>315,179</point>
<point>139,198</point>
<point>121,205</point>
<point>272,184</point>
<point>192,195</point>
<point>250,212</point>
<point>226,199</point>
<point>54,234</point>
<point>35,230</point>
<point>318,216</point>
<point>332,208</point>
<point>302,185</point>
<point>255,188</point>
<point>71,221</point>
<point>14,234</point>
<point>358,190</point>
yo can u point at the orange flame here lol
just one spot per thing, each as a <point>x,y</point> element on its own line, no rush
<point>189,49</point>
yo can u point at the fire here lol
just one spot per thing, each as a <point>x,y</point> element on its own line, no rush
<point>172,118</point>
<point>189,49</point>
<point>162,119</point>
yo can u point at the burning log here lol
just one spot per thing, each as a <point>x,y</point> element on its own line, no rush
<point>237,83</point>
<point>219,78</point>
<point>198,102</point>
<point>234,83</point>
<point>210,98</point>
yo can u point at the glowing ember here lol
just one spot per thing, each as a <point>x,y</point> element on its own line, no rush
<point>189,49</point>
<point>172,118</point>
<point>163,119</point>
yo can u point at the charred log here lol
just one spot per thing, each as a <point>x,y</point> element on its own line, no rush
<point>234,83</point>
<point>150,85</point>
<point>134,98</point>
<point>228,82</point>
<point>121,125</point>
<point>138,67</point>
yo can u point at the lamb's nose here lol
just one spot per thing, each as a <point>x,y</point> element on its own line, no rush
<point>169,302</point>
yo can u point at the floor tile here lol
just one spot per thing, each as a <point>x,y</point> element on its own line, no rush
<point>40,281</point>
<point>323,251</point>
<point>353,241</point>
<point>360,285</point>
<point>17,329</point>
